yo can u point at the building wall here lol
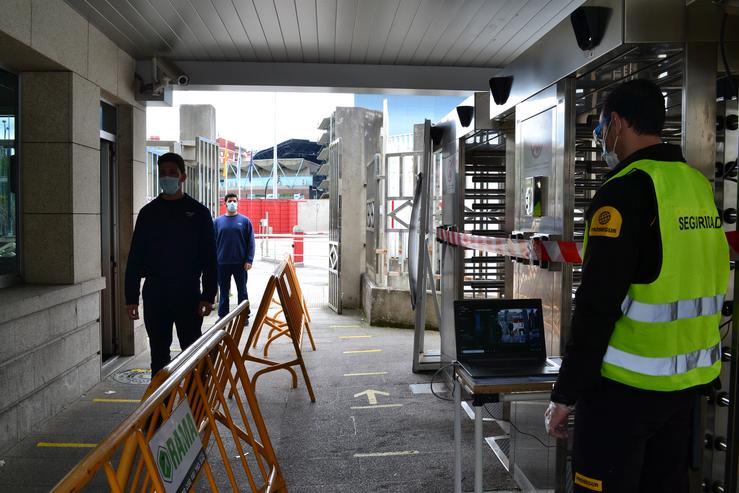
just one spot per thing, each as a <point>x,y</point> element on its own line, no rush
<point>50,323</point>
<point>313,215</point>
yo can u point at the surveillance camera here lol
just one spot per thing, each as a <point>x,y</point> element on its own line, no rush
<point>183,80</point>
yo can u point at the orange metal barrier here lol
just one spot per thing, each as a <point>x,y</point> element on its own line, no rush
<point>278,327</point>
<point>283,281</point>
<point>197,382</point>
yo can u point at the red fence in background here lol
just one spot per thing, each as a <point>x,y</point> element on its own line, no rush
<point>283,213</point>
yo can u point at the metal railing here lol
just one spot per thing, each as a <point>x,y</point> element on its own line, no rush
<point>200,378</point>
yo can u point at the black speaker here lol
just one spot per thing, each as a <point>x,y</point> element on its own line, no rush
<point>436,134</point>
<point>501,88</point>
<point>465,114</point>
<point>589,24</point>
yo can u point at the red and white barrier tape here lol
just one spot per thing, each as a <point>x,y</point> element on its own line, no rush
<point>568,252</point>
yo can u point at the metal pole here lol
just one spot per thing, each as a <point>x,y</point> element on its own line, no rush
<point>478,449</point>
<point>274,153</point>
<point>457,434</point>
<point>238,174</point>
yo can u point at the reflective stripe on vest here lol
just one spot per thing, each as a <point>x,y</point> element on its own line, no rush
<point>662,367</point>
<point>669,312</point>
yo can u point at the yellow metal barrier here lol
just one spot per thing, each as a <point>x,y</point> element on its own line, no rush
<point>197,382</point>
<point>278,327</point>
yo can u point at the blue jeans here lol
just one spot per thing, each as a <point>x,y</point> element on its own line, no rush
<point>225,272</point>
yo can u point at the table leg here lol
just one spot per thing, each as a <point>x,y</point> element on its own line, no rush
<point>478,449</point>
<point>457,436</point>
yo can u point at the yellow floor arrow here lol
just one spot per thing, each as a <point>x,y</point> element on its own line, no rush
<point>371,395</point>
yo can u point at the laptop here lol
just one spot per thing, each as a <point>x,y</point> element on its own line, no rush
<point>501,338</point>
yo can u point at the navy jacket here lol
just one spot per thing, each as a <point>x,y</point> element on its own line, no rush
<point>173,245</point>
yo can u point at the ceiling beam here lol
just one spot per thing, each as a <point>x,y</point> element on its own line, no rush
<point>325,77</point>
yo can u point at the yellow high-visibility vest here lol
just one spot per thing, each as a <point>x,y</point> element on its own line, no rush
<point>667,338</point>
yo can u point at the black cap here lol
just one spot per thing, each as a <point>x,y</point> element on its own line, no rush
<point>172,157</point>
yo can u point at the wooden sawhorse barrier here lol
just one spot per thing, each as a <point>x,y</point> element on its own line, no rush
<point>278,328</point>
<point>284,282</point>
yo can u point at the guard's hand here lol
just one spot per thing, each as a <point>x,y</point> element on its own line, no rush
<point>132,311</point>
<point>204,308</point>
<point>555,419</point>
<point>247,266</point>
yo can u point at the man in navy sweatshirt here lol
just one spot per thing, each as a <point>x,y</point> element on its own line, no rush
<point>172,247</point>
<point>235,242</point>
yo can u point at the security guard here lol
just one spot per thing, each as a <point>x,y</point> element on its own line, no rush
<point>645,332</point>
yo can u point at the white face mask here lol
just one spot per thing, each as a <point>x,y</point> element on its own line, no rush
<point>610,157</point>
<point>231,206</point>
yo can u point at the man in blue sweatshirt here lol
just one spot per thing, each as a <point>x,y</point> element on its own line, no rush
<point>235,242</point>
<point>172,248</point>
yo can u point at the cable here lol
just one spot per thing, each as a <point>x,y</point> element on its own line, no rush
<point>723,57</point>
<point>454,382</point>
<point>517,429</point>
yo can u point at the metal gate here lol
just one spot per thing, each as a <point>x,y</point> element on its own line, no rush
<point>373,241</point>
<point>399,175</point>
<point>334,226</point>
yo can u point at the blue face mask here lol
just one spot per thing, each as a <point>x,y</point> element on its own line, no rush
<point>169,184</point>
<point>610,157</point>
<point>231,206</point>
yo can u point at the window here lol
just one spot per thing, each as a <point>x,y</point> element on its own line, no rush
<point>9,251</point>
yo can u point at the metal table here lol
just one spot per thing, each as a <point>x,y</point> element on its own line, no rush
<point>483,391</point>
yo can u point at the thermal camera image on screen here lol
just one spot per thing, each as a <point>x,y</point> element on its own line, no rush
<point>505,330</point>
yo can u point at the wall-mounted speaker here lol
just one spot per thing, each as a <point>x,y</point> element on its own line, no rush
<point>589,24</point>
<point>465,114</point>
<point>500,87</point>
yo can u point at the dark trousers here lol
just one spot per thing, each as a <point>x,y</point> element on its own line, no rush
<point>225,272</point>
<point>630,440</point>
<point>164,305</point>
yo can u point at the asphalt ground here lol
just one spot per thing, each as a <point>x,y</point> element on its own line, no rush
<point>341,443</point>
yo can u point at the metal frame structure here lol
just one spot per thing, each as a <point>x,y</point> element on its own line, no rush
<point>334,240</point>
<point>424,359</point>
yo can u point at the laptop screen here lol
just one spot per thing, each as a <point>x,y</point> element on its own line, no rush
<point>503,329</point>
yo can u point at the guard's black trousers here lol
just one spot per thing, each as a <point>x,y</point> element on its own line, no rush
<point>167,304</point>
<point>629,440</point>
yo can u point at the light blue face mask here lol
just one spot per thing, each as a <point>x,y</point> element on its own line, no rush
<point>231,206</point>
<point>169,184</point>
<point>610,157</point>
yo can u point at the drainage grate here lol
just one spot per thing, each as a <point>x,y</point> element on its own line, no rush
<point>133,376</point>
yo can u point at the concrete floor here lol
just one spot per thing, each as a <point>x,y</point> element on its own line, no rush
<point>316,443</point>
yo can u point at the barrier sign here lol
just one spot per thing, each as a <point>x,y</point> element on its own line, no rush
<point>178,450</point>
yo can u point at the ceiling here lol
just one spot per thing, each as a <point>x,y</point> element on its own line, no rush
<point>444,33</point>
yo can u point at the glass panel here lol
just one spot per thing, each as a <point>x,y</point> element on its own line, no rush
<point>8,198</point>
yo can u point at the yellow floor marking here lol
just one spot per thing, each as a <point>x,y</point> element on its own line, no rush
<point>354,337</point>
<point>366,374</point>
<point>377,406</point>
<point>117,400</point>
<point>363,351</point>
<point>344,326</point>
<point>66,445</point>
<point>388,454</point>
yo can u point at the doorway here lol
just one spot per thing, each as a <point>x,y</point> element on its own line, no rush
<point>109,306</point>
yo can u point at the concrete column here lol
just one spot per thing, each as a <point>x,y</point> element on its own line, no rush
<point>60,177</point>
<point>132,197</point>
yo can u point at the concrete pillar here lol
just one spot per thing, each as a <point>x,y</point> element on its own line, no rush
<point>60,176</point>
<point>197,120</point>
<point>132,197</point>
